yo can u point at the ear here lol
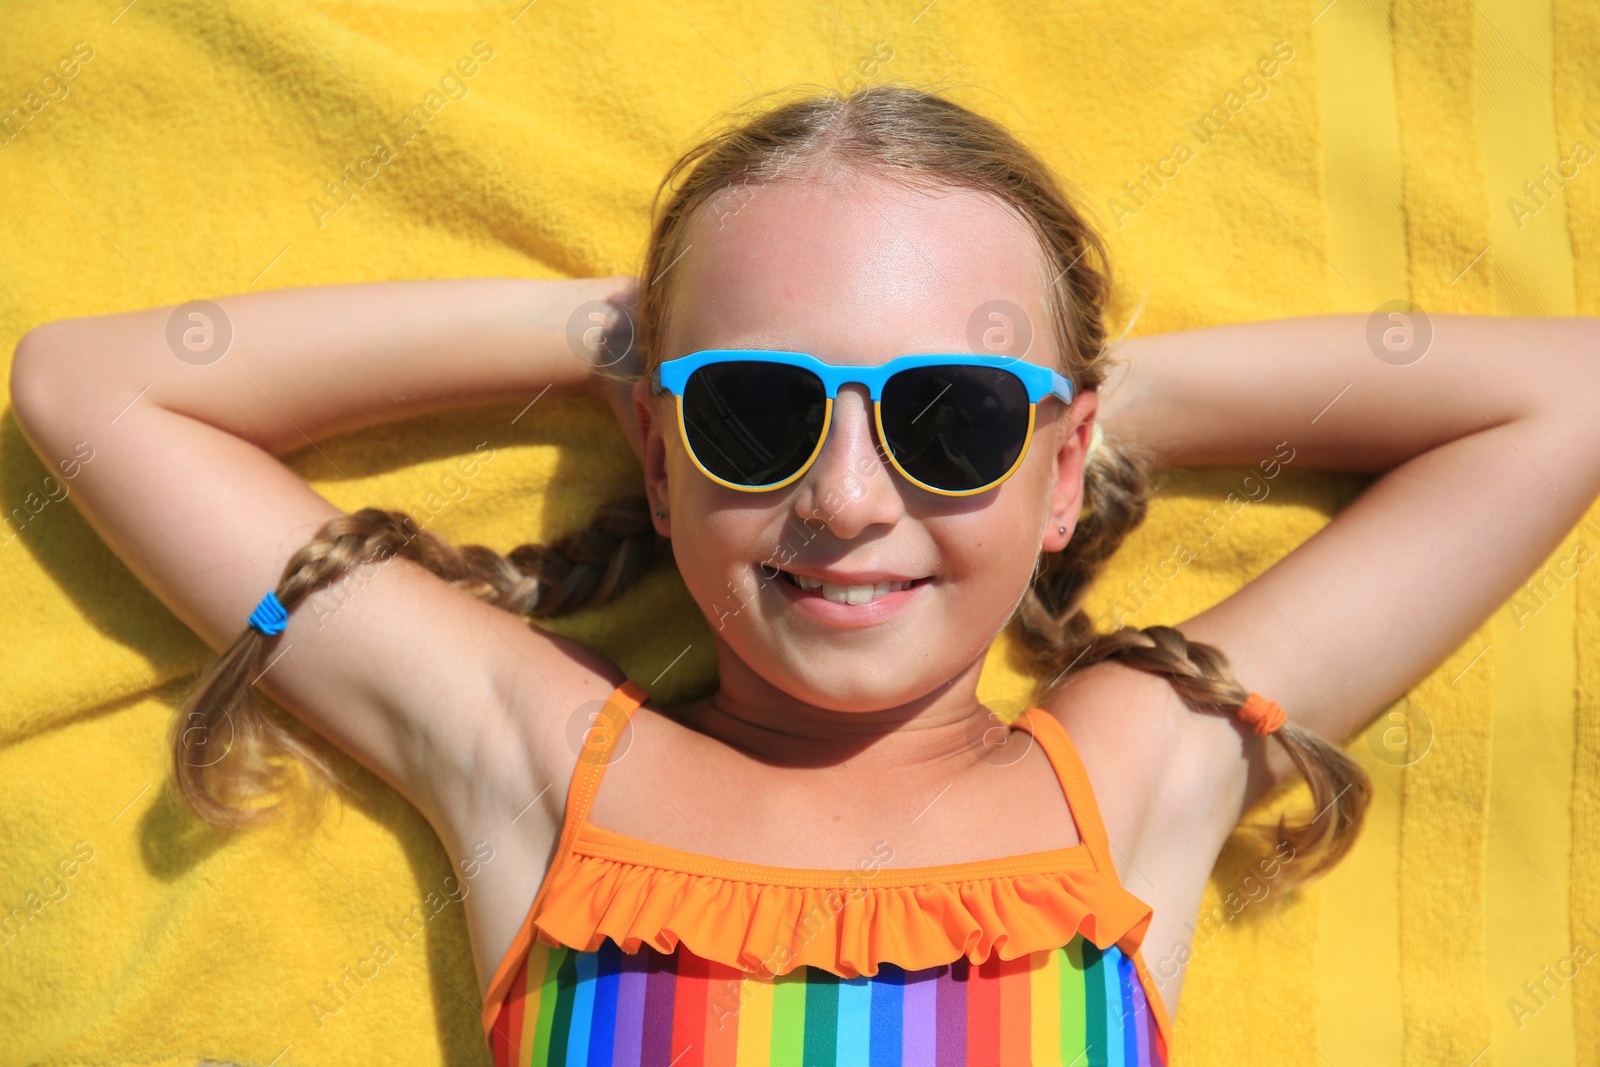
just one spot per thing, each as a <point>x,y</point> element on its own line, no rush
<point>1074,430</point>
<point>653,452</point>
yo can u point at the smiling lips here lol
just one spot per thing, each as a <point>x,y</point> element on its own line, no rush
<point>847,594</point>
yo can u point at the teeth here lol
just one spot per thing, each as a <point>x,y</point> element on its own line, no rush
<point>849,594</point>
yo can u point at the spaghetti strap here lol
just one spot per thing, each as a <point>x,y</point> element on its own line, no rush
<point>1057,744</point>
<point>598,741</point>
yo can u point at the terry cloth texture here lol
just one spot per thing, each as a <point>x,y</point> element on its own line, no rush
<point>160,152</point>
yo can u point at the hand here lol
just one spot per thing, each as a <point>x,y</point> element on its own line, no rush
<point>614,373</point>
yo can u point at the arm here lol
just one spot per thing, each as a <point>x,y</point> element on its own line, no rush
<point>409,676</point>
<point>1489,450</point>
<point>1489,453</point>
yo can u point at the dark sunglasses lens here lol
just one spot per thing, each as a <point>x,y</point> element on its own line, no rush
<point>957,428</point>
<point>753,423</point>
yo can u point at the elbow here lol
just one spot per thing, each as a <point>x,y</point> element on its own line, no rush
<point>39,377</point>
<point>34,355</point>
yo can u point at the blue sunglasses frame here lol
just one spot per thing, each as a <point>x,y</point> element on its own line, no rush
<point>1039,381</point>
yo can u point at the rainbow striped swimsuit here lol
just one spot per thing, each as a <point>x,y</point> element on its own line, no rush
<point>568,993</point>
<point>1074,1005</point>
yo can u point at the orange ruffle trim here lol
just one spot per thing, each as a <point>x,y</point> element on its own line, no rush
<point>760,920</point>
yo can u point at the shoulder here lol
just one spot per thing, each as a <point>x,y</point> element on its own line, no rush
<point>1119,715</point>
<point>1152,760</point>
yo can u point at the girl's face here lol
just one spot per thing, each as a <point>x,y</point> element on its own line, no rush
<point>856,270</point>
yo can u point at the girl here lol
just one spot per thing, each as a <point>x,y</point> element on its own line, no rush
<point>878,418</point>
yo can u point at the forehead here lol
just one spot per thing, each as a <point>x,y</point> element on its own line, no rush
<point>857,268</point>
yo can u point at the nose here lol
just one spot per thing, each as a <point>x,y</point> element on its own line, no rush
<point>850,487</point>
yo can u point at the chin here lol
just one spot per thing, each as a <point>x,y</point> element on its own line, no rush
<point>866,693</point>
<point>861,672</point>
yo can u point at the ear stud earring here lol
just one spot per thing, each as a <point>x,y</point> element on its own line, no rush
<point>1061,529</point>
<point>661,514</point>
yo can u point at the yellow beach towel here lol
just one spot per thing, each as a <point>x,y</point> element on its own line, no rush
<point>1248,160</point>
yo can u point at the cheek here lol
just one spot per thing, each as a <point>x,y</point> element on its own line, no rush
<point>709,572</point>
<point>715,539</point>
<point>994,557</point>
<point>706,545</point>
<point>992,551</point>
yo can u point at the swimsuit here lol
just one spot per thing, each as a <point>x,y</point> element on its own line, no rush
<point>642,955</point>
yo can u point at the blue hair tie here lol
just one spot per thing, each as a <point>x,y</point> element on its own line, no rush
<point>269,616</point>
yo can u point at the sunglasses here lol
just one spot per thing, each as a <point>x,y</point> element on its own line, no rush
<point>952,424</point>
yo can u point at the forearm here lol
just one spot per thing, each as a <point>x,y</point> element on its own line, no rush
<point>1229,394</point>
<point>305,363</point>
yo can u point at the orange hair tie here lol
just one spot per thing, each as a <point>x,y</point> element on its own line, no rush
<point>1263,714</point>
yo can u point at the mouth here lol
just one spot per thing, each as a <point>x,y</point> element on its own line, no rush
<point>854,595</point>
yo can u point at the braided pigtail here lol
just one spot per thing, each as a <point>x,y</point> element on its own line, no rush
<point>229,754</point>
<point>1060,637</point>
<point>1340,788</point>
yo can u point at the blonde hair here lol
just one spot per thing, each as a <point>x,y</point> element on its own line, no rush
<point>913,136</point>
